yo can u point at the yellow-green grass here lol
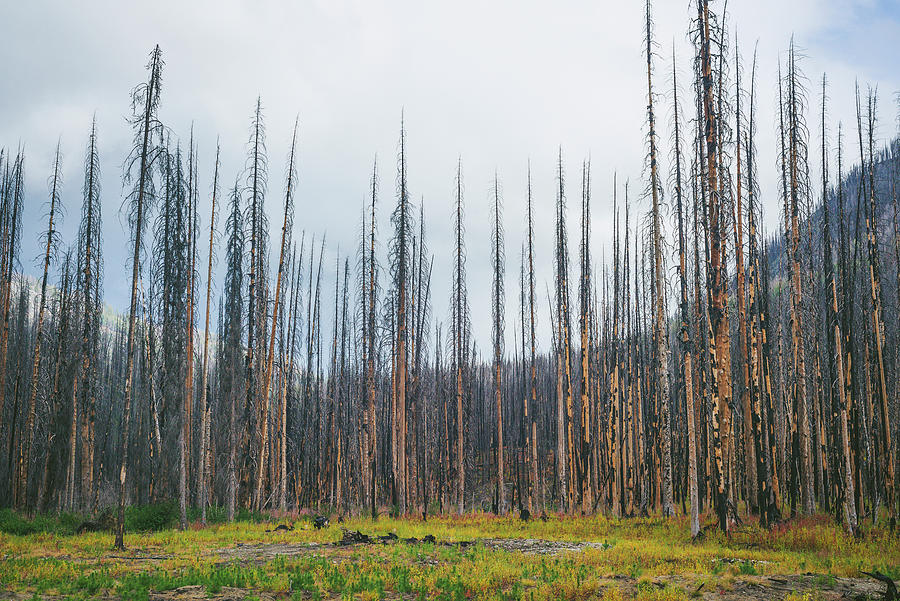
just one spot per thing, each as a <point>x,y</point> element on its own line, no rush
<point>641,550</point>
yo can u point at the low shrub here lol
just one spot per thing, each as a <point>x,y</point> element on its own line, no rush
<point>19,525</point>
<point>150,518</point>
<point>12,523</point>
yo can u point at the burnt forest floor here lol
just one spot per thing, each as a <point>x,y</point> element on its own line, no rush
<point>477,556</point>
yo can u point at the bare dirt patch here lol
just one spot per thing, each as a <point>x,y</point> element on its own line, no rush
<point>753,588</point>
<point>538,546</point>
<point>188,593</point>
<point>267,551</point>
<point>777,587</point>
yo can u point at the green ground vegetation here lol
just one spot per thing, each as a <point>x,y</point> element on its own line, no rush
<point>656,557</point>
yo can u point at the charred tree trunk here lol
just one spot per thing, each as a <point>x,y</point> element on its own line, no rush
<point>22,481</point>
<point>146,125</point>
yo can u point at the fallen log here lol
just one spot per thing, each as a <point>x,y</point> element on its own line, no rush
<point>890,593</point>
<point>320,522</point>
<point>353,537</point>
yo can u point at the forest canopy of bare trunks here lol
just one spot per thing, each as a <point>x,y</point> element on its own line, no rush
<point>703,367</point>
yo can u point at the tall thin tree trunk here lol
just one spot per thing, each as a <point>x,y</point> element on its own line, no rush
<point>188,391</point>
<point>23,480</point>
<point>372,287</point>
<point>498,261</point>
<point>150,95</point>
<point>686,344</point>
<point>286,224</point>
<point>460,322</point>
<point>718,322</point>
<point>836,337</point>
<point>885,448</point>
<point>743,343</point>
<point>532,443</point>
<point>662,334</point>
<point>204,410</point>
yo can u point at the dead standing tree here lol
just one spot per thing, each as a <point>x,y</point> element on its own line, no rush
<point>498,260</point>
<point>400,271</point>
<point>203,462</point>
<point>720,387</point>
<point>459,333</point>
<point>758,379</point>
<point>585,325</point>
<point>743,344</point>
<point>687,370</point>
<point>835,338</point>
<point>145,102</point>
<point>795,134</point>
<point>255,220</point>
<point>565,426</point>
<point>88,280</point>
<point>230,359</point>
<point>370,344</point>
<point>286,226</point>
<point>876,303</point>
<point>12,205</point>
<point>532,363</point>
<point>660,316</point>
<point>20,490</point>
<point>187,403</point>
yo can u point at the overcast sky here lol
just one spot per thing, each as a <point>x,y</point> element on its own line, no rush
<point>495,83</point>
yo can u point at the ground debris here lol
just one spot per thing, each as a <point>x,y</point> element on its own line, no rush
<point>356,537</point>
<point>890,593</point>
<point>524,545</point>
<point>738,561</point>
<point>320,522</point>
<point>353,537</point>
<point>538,546</point>
<point>752,588</point>
<point>198,592</point>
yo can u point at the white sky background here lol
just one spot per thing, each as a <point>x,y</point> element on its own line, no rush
<point>497,83</point>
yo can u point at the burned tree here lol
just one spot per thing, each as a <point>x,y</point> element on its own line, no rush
<point>498,260</point>
<point>145,102</point>
<point>20,491</point>
<point>459,333</point>
<point>661,333</point>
